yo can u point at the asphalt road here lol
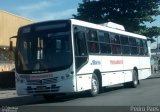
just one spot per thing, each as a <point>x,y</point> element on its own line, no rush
<point>147,93</point>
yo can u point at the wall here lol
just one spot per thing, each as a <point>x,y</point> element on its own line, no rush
<point>9,25</point>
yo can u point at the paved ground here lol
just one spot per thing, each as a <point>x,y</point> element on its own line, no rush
<point>155,75</point>
<point>119,98</point>
<point>7,94</point>
<point>115,99</point>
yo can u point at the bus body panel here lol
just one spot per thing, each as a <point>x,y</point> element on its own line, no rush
<point>46,83</point>
<point>129,63</point>
<point>112,70</point>
<point>84,75</point>
<point>84,82</point>
<point>144,68</point>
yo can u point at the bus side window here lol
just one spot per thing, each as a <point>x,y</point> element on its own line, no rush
<point>104,42</point>
<point>133,46</point>
<point>115,41</point>
<point>125,45</point>
<point>92,41</point>
<point>80,44</point>
<point>138,45</point>
<point>145,47</point>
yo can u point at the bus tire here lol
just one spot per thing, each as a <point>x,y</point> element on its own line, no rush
<point>135,81</point>
<point>94,86</point>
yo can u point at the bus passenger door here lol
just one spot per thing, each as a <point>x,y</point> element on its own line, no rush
<point>81,57</point>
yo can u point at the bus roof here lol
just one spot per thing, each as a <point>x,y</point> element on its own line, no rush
<point>95,26</point>
<point>105,28</point>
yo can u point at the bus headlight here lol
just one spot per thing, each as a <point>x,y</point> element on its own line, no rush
<point>62,77</point>
<point>66,76</point>
<point>20,80</point>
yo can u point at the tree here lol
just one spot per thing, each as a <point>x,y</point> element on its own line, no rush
<point>133,14</point>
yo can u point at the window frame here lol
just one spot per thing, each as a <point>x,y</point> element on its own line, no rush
<point>94,48</point>
<point>105,43</point>
<point>116,45</point>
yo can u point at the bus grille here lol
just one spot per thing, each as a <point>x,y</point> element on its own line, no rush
<point>43,89</point>
<point>43,81</point>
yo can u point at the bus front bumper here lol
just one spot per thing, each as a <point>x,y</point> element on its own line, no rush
<point>65,86</point>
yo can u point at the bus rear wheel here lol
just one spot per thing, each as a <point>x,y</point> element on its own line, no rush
<point>94,86</point>
<point>134,83</point>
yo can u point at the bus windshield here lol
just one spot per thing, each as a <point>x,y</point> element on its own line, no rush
<point>43,49</point>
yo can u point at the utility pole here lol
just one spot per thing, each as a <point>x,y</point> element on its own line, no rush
<point>157,46</point>
<point>158,60</point>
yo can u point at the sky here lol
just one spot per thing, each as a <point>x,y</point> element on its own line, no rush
<point>41,10</point>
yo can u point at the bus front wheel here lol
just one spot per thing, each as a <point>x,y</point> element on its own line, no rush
<point>94,85</point>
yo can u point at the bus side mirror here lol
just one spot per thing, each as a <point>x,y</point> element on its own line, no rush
<point>11,43</point>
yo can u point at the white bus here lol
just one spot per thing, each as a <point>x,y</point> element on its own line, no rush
<point>68,56</point>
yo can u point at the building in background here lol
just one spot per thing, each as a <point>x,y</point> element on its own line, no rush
<point>155,58</point>
<point>9,24</point>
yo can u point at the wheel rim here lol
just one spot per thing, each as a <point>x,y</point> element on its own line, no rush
<point>135,82</point>
<point>94,85</point>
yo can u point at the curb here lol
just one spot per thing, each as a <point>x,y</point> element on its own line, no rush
<point>156,75</point>
<point>7,94</point>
